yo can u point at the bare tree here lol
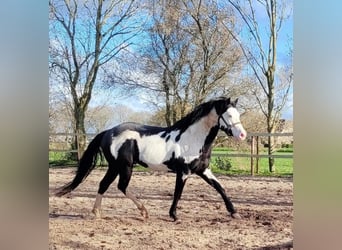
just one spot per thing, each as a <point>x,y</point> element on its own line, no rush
<point>99,118</point>
<point>216,52</point>
<point>261,56</point>
<point>192,52</point>
<point>59,117</point>
<point>84,37</point>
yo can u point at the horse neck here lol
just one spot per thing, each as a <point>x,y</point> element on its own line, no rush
<point>208,127</point>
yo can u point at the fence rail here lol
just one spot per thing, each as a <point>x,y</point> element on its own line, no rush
<point>253,155</point>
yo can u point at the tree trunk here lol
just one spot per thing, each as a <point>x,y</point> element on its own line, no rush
<point>80,140</point>
<point>174,110</point>
<point>167,99</point>
<point>271,149</point>
<point>270,118</point>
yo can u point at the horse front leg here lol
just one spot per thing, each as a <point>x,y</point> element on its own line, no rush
<point>208,176</point>
<point>180,182</point>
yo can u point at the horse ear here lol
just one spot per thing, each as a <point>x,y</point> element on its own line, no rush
<point>235,102</point>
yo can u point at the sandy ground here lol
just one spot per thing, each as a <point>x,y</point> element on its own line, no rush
<point>265,205</point>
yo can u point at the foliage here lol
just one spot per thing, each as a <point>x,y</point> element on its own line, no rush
<point>58,159</point>
<point>222,163</point>
<point>285,150</point>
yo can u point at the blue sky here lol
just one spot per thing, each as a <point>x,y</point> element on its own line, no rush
<point>285,40</point>
<point>284,44</point>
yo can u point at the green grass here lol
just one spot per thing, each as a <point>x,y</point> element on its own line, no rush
<point>222,164</point>
<point>242,165</point>
<point>58,159</point>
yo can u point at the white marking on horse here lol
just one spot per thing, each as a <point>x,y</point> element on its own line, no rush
<point>154,150</point>
<point>233,116</point>
<point>97,206</point>
<point>186,176</point>
<point>207,172</point>
<point>120,139</point>
<point>195,136</point>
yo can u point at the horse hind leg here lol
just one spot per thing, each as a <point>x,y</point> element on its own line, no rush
<point>138,203</point>
<point>104,184</point>
<point>125,176</point>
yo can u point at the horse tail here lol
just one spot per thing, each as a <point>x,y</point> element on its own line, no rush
<point>86,165</point>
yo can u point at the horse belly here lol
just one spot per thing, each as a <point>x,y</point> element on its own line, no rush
<point>153,151</point>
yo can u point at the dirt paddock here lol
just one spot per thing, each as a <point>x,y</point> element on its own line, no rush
<point>265,205</point>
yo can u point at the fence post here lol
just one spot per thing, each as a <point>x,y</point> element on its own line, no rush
<point>252,152</point>
<point>257,153</point>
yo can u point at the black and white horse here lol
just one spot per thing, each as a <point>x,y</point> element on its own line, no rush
<point>184,148</point>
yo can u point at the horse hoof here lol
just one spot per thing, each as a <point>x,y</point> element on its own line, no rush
<point>144,214</point>
<point>97,213</point>
<point>178,221</point>
<point>236,216</point>
<point>175,219</point>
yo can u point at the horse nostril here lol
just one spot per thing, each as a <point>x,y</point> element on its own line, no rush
<point>242,135</point>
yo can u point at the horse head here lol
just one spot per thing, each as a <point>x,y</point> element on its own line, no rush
<point>229,119</point>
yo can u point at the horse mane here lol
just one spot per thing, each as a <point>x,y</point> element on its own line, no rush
<point>221,104</point>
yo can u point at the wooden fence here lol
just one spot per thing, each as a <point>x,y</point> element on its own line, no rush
<point>254,154</point>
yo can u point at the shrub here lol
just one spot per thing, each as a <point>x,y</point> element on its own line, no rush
<point>223,163</point>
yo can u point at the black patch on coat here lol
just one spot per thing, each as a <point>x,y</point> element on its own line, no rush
<point>176,164</point>
<point>211,136</point>
<point>143,130</point>
<point>129,152</point>
<point>178,136</point>
<point>163,135</point>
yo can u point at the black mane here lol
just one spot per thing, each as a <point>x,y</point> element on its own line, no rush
<point>220,104</point>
